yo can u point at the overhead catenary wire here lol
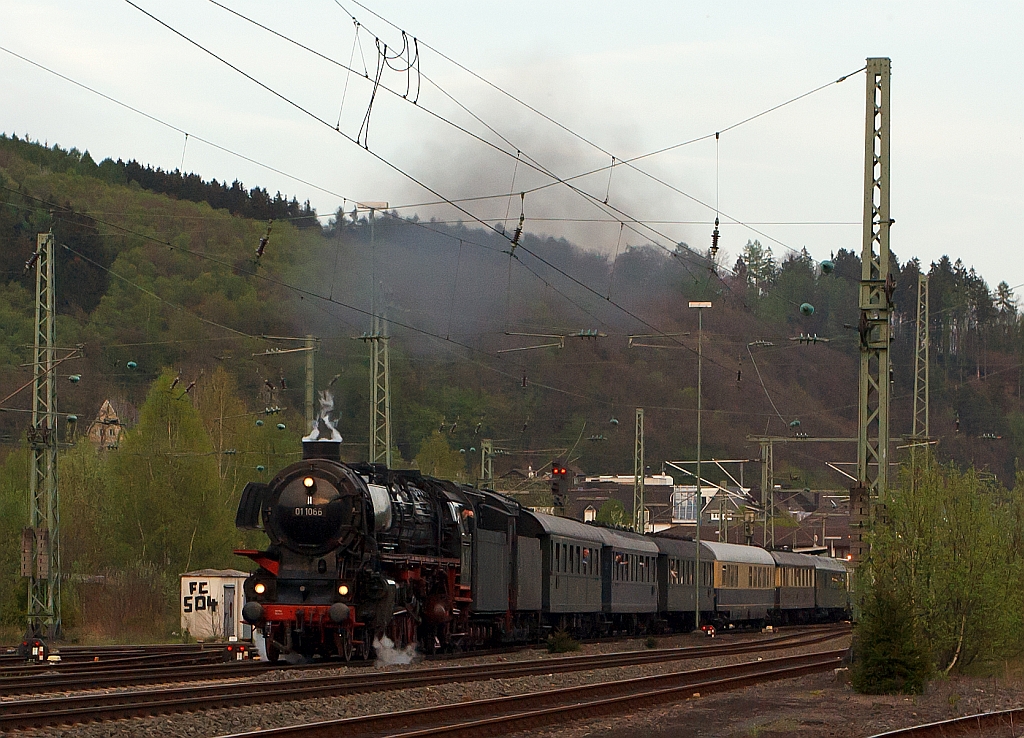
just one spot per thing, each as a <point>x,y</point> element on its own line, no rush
<point>619,221</point>
<point>565,180</point>
<point>632,227</point>
<point>761,380</point>
<point>377,156</point>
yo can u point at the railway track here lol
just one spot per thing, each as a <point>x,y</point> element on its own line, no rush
<point>116,664</point>
<point>39,679</point>
<point>540,709</point>
<point>48,711</point>
<point>1010,721</point>
<point>9,653</point>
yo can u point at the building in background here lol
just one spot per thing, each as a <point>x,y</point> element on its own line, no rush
<point>115,417</point>
<point>211,604</point>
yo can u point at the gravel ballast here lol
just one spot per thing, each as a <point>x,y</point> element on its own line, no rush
<point>232,720</point>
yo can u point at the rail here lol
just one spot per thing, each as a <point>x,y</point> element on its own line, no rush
<point>540,709</point>
<point>1012,719</point>
<point>48,711</point>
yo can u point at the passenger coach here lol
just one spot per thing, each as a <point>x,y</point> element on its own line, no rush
<point>744,582</point>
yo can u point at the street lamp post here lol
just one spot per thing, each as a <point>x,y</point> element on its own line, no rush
<point>700,306</point>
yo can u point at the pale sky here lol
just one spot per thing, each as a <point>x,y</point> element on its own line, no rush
<point>632,78</point>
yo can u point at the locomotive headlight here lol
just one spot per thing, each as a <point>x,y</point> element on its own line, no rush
<point>308,482</point>
<point>260,588</point>
<point>343,590</point>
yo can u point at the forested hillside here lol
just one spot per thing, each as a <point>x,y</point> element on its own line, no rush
<point>160,283</point>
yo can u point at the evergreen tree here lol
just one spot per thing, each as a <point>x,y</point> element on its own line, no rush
<point>887,656</point>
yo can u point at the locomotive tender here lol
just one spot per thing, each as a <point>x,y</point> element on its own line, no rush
<point>358,552</point>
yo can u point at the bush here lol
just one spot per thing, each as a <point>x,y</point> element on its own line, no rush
<point>561,642</point>
<point>651,642</point>
<point>888,658</point>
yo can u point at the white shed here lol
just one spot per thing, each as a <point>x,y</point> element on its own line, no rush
<point>211,604</point>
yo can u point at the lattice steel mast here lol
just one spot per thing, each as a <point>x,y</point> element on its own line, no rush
<point>920,429</point>
<point>639,522</point>
<point>380,394</point>
<point>486,479</point>
<point>380,371</point>
<point>876,288</point>
<point>42,537</point>
<point>768,489</point>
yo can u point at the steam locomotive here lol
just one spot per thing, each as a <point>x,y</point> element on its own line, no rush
<point>359,552</point>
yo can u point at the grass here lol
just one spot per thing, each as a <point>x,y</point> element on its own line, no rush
<point>561,642</point>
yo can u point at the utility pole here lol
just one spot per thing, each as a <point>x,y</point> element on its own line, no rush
<point>876,288</point>
<point>41,540</point>
<point>639,524</point>
<point>310,349</point>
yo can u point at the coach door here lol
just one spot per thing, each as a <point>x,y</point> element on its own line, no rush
<point>229,610</point>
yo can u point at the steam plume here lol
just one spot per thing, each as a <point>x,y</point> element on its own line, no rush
<point>326,400</point>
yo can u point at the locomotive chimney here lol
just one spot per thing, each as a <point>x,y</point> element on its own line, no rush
<point>321,450</point>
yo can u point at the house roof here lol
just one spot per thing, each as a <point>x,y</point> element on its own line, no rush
<point>224,573</point>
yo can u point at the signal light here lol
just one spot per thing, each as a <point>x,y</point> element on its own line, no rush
<point>343,590</point>
<point>260,588</point>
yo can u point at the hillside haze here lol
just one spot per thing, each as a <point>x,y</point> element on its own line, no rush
<point>159,269</point>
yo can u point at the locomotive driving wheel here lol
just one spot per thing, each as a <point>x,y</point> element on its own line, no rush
<point>273,652</point>
<point>343,644</point>
<point>366,644</point>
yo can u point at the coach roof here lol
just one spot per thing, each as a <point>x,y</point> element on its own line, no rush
<point>537,524</point>
<point>785,558</point>
<point>734,553</point>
